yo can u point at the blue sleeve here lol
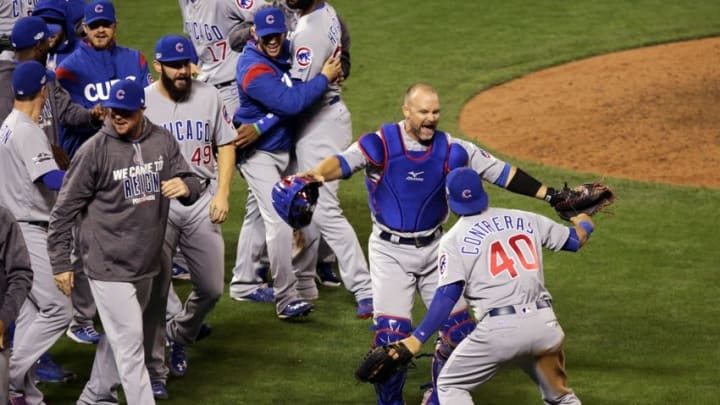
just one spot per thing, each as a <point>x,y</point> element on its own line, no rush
<point>440,308</point>
<point>573,242</point>
<point>53,179</point>
<point>346,172</point>
<point>269,90</point>
<point>502,179</point>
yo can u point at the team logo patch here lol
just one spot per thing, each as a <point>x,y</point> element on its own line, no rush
<point>98,8</point>
<point>466,194</point>
<point>39,36</point>
<point>303,56</point>
<point>120,95</point>
<point>270,19</point>
<point>226,116</point>
<point>414,176</point>
<point>179,47</point>
<point>442,265</point>
<point>245,4</point>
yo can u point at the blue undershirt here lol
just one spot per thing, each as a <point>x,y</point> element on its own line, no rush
<point>53,179</point>
<point>442,304</point>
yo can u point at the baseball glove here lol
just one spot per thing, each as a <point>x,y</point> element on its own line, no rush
<point>380,364</point>
<point>294,199</point>
<point>61,157</point>
<point>587,198</point>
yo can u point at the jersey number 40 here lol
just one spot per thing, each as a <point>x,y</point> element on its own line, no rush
<point>516,253</point>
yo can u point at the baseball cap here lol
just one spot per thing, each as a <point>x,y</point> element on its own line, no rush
<point>269,21</point>
<point>465,192</point>
<point>28,78</point>
<point>171,48</point>
<point>126,94</point>
<point>28,32</point>
<point>52,12</point>
<point>99,10</point>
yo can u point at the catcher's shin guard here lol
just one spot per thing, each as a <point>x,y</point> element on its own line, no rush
<point>455,329</point>
<point>388,330</point>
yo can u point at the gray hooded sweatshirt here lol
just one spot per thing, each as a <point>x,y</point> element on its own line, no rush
<point>114,185</point>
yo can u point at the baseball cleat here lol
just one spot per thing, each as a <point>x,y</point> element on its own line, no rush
<point>205,331</point>
<point>86,335</point>
<point>47,371</point>
<point>296,309</point>
<point>365,308</point>
<point>262,274</point>
<point>159,390</point>
<point>179,272</point>
<point>266,294</point>
<point>326,276</point>
<point>178,359</point>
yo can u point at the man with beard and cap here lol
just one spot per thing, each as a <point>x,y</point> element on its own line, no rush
<point>193,112</point>
<point>60,17</point>
<point>405,165</point>
<point>120,182</point>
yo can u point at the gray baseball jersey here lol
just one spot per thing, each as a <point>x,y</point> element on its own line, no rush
<point>25,156</point>
<point>498,254</point>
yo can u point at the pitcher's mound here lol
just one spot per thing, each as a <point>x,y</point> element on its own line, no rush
<point>648,114</point>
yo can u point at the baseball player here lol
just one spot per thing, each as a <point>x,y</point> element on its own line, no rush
<point>29,192</point>
<point>120,182</point>
<point>493,257</point>
<point>325,129</point>
<point>405,165</point>
<point>60,17</point>
<point>87,74</point>
<point>16,277</point>
<point>265,87</point>
<point>193,112</point>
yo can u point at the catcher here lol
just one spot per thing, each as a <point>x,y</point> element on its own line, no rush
<point>493,257</point>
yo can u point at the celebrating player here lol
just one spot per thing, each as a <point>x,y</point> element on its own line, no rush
<point>120,182</point>
<point>193,112</point>
<point>265,87</point>
<point>405,165</point>
<point>29,192</point>
<point>493,257</point>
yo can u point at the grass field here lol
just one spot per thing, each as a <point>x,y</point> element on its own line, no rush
<point>639,305</point>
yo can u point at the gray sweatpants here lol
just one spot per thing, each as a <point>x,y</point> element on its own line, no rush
<point>119,357</point>
<point>4,375</point>
<point>43,318</point>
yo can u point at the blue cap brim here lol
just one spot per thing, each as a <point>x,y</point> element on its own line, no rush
<point>54,28</point>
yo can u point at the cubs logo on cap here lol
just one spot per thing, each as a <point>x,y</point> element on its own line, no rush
<point>270,21</point>
<point>465,192</point>
<point>173,47</point>
<point>303,56</point>
<point>100,10</point>
<point>126,94</point>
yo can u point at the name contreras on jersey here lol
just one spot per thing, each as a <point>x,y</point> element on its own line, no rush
<point>204,31</point>
<point>101,90</point>
<point>480,230</point>
<point>189,130</point>
<point>140,180</point>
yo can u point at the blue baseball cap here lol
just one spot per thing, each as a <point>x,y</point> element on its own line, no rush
<point>99,10</point>
<point>171,48</point>
<point>29,77</point>
<point>126,94</point>
<point>269,21</point>
<point>53,13</point>
<point>28,32</point>
<point>465,192</point>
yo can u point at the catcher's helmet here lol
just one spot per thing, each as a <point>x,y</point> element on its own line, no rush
<point>294,199</point>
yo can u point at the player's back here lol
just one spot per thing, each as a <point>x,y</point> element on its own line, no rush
<point>501,251</point>
<point>208,24</point>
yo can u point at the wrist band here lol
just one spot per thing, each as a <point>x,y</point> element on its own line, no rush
<point>587,226</point>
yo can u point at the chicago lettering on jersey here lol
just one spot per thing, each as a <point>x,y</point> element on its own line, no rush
<point>204,31</point>
<point>100,91</point>
<point>189,130</point>
<point>482,229</point>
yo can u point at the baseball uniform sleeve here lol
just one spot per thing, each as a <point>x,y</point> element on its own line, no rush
<point>34,151</point>
<point>223,132</point>
<point>69,114</point>
<point>16,266</point>
<point>451,266</point>
<point>354,158</point>
<point>78,187</point>
<point>491,169</point>
<point>308,54</point>
<point>553,234</point>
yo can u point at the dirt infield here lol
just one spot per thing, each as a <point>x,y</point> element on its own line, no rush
<point>648,114</point>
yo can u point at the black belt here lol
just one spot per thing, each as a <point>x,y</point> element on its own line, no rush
<point>224,84</point>
<point>510,309</point>
<point>420,241</point>
<point>333,100</point>
<point>42,224</point>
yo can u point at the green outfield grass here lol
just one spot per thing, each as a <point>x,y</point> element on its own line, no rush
<point>639,304</point>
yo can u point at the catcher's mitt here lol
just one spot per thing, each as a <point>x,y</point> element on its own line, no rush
<point>61,157</point>
<point>588,198</point>
<point>379,364</point>
<point>294,199</point>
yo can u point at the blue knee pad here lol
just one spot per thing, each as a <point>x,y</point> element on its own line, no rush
<point>388,330</point>
<point>455,329</point>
